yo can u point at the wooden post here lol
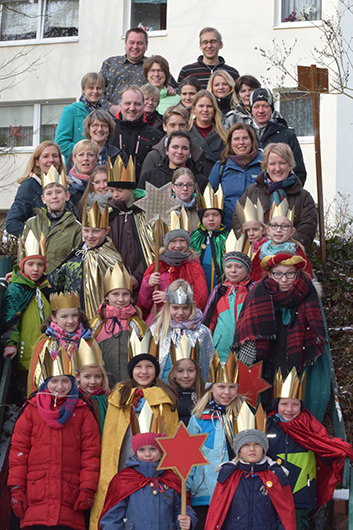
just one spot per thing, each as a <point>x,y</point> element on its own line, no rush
<point>156,261</point>
<point>183,496</point>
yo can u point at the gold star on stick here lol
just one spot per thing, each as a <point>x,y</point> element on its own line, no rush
<point>157,203</point>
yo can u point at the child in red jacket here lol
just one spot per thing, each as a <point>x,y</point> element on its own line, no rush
<point>54,454</point>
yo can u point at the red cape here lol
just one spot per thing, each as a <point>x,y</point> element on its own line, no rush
<point>281,498</point>
<point>311,434</point>
<point>129,480</point>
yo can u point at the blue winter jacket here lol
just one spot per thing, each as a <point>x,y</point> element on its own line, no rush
<point>143,510</point>
<point>70,127</point>
<point>234,181</point>
<point>299,461</point>
<point>251,507</point>
<point>202,479</point>
<point>28,197</point>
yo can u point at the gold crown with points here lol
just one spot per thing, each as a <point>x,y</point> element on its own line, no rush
<point>227,372</point>
<point>179,220</point>
<point>64,301</point>
<point>31,246</point>
<point>96,217</point>
<point>246,419</point>
<point>282,210</point>
<point>146,344</point>
<point>87,354</point>
<point>291,386</point>
<point>146,421</point>
<point>117,278</point>
<point>211,200</point>
<point>250,211</point>
<point>61,365</point>
<point>120,176</point>
<point>184,350</point>
<point>240,244</point>
<point>54,177</point>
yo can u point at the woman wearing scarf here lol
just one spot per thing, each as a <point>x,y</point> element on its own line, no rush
<point>70,127</point>
<point>281,322</point>
<point>239,166</point>
<point>276,182</point>
<point>176,260</point>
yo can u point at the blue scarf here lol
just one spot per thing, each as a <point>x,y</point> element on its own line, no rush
<point>277,190</point>
<point>89,106</point>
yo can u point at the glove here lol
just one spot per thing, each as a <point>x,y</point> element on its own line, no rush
<point>18,501</point>
<point>84,500</point>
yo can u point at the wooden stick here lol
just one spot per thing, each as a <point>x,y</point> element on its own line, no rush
<point>156,261</point>
<point>183,496</point>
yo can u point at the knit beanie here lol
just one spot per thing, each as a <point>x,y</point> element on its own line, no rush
<point>261,94</point>
<point>27,258</point>
<point>145,438</point>
<point>173,234</point>
<point>282,258</point>
<point>202,211</point>
<point>142,357</point>
<point>250,436</point>
<point>239,257</point>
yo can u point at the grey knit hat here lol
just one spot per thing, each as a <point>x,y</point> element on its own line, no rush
<point>239,257</point>
<point>250,436</point>
<point>173,234</point>
<point>261,94</point>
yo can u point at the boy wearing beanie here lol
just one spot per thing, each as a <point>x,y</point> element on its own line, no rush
<point>142,496</point>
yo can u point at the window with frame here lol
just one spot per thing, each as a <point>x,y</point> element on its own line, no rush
<point>300,10</point>
<point>27,125</point>
<point>25,20</point>
<point>296,108</point>
<point>151,15</point>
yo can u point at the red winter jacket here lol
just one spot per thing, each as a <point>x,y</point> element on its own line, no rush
<point>54,464</point>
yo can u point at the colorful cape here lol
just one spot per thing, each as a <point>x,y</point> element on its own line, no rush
<point>198,243</point>
<point>329,452</point>
<point>128,481</point>
<point>281,498</point>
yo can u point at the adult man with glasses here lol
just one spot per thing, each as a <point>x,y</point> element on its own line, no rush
<point>209,61</point>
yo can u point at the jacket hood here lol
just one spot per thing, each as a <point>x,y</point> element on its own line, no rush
<point>148,469</point>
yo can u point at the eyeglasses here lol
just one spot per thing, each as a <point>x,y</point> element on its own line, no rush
<point>155,71</point>
<point>152,100</point>
<point>97,125</point>
<point>181,185</point>
<point>279,275</point>
<point>275,226</point>
<point>213,42</point>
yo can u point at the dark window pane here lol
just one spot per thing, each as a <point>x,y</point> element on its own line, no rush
<point>300,10</point>
<point>296,109</point>
<point>61,18</point>
<point>151,15</point>
<point>19,20</point>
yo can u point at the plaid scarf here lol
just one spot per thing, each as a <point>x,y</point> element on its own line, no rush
<point>48,405</point>
<point>89,106</point>
<point>306,335</point>
<point>277,190</point>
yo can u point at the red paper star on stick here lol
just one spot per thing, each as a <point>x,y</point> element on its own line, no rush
<point>182,451</point>
<point>251,384</point>
<point>16,132</point>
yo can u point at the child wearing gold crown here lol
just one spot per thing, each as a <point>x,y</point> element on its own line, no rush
<point>84,269</point>
<point>209,238</point>
<point>180,317</point>
<point>252,491</point>
<point>54,453</point>
<point>116,317</point>
<point>25,306</point>
<point>143,385</point>
<point>297,440</point>
<point>62,329</point>
<point>213,414</point>
<point>59,225</point>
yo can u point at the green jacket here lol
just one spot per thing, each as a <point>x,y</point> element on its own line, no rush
<point>60,239</point>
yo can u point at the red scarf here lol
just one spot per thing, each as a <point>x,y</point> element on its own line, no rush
<point>115,320</point>
<point>308,432</point>
<point>281,498</point>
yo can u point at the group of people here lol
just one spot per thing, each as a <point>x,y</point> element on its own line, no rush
<point>120,327</point>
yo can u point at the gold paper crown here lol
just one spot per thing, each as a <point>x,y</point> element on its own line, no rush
<point>61,365</point>
<point>146,344</point>
<point>184,350</point>
<point>223,372</point>
<point>250,211</point>
<point>87,354</point>
<point>119,174</point>
<point>179,219</point>
<point>211,200</point>
<point>117,278</point>
<point>95,218</point>
<point>64,301</point>
<point>282,210</point>
<point>146,422</point>
<point>31,246</point>
<point>54,177</point>
<point>247,420</point>
<point>291,387</point>
<point>240,244</point>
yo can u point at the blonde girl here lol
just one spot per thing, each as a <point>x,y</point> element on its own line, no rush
<point>185,377</point>
<point>93,382</point>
